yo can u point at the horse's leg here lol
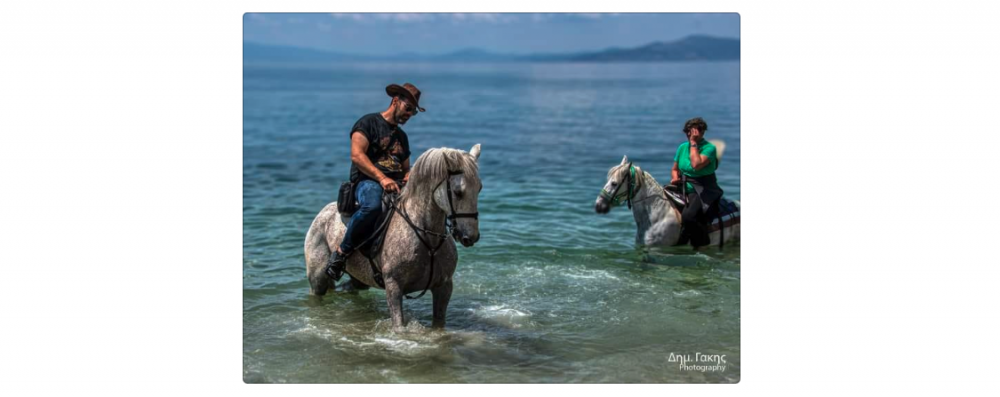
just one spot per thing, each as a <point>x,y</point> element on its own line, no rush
<point>317,254</point>
<point>442,294</point>
<point>394,296</point>
<point>317,247</point>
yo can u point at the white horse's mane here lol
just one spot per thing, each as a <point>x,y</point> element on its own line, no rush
<point>621,168</point>
<point>617,169</point>
<point>432,167</point>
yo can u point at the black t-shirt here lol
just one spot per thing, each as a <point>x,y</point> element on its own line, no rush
<point>379,133</point>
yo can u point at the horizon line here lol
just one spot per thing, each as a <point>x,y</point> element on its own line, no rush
<point>488,51</point>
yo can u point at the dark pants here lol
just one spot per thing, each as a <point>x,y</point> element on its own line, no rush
<point>696,221</point>
<point>362,224</point>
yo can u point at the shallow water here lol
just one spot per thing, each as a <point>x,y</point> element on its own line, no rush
<point>552,292</point>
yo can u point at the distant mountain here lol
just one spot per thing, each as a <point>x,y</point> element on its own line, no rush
<point>691,48</point>
<point>253,52</point>
<point>472,54</point>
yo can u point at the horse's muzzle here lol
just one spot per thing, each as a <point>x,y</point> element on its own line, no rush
<point>466,240</point>
<point>602,206</point>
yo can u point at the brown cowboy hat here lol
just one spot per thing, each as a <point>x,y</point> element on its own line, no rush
<point>408,91</point>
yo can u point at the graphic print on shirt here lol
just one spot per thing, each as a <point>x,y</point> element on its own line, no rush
<point>390,159</point>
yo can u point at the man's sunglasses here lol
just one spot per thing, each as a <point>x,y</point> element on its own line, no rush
<point>409,108</point>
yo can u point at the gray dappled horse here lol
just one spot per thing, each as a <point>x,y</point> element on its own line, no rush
<point>415,234</point>
<point>658,223</point>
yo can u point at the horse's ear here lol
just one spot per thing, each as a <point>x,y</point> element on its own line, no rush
<point>624,160</point>
<point>475,151</point>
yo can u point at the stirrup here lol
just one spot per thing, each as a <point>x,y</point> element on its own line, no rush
<point>333,269</point>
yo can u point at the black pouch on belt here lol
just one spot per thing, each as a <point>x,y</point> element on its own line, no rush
<point>346,202</point>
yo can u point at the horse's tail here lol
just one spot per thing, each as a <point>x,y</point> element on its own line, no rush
<point>317,250</point>
<point>720,147</point>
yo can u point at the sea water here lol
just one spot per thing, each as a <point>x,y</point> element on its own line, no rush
<point>552,292</point>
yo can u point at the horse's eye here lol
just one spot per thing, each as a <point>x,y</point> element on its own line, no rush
<point>458,194</point>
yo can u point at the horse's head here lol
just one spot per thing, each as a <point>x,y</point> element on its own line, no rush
<point>448,179</point>
<point>617,188</point>
<point>458,196</point>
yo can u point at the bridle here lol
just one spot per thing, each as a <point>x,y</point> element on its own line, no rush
<point>449,224</point>
<point>633,188</point>
<point>450,219</point>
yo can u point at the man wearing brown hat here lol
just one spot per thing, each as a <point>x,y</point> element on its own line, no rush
<point>380,157</point>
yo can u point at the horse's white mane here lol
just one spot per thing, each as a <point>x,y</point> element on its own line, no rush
<point>617,169</point>
<point>432,167</point>
<point>622,168</point>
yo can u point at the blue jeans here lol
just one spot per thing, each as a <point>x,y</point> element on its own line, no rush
<point>362,224</point>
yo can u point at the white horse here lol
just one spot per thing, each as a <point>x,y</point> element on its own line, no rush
<point>417,253</point>
<point>658,221</point>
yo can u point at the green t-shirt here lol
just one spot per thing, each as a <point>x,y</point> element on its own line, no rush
<point>683,159</point>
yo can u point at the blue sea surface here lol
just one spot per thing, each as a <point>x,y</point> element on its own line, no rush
<point>553,292</point>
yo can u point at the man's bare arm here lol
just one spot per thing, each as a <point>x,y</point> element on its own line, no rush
<point>359,146</point>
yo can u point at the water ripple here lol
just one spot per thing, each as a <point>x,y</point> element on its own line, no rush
<point>552,292</point>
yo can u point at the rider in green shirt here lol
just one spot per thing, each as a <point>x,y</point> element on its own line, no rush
<point>694,166</point>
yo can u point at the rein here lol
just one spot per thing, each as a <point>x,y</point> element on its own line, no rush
<point>417,230</point>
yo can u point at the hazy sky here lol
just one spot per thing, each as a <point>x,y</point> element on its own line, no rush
<point>505,33</point>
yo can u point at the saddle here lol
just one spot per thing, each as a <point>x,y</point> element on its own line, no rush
<point>675,197</point>
<point>725,214</point>
<point>373,244</point>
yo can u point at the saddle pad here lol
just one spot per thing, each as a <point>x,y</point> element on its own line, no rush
<point>729,212</point>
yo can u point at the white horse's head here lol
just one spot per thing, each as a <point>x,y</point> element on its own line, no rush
<point>451,178</point>
<point>616,189</point>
